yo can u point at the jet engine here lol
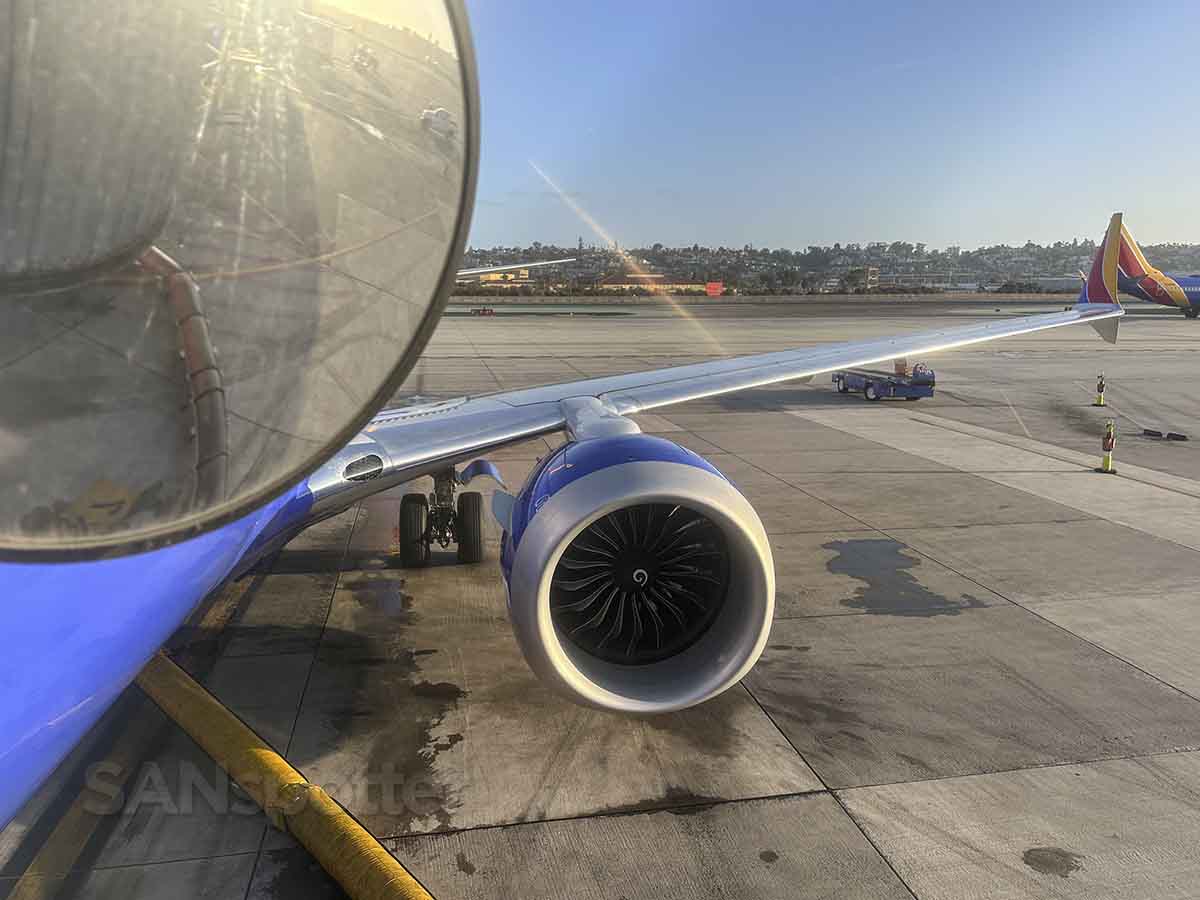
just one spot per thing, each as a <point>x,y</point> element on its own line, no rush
<point>640,579</point>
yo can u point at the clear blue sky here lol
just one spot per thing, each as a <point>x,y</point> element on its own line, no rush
<point>785,123</point>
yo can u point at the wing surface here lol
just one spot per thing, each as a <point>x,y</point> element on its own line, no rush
<point>642,391</point>
<point>416,441</point>
<point>487,270</point>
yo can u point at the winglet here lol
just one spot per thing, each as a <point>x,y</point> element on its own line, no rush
<point>1107,328</point>
<point>1101,284</point>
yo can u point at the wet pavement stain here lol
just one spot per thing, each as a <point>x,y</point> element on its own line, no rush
<point>381,595</point>
<point>768,856</point>
<point>1052,861</point>
<point>710,729</point>
<point>292,872</point>
<point>448,743</point>
<point>464,865</point>
<point>889,589</point>
<point>813,712</point>
<point>301,562</point>
<point>404,793</point>
<point>403,756</point>
<point>678,801</point>
<point>1079,419</point>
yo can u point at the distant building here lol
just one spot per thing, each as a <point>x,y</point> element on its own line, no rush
<point>518,277</point>
<point>864,278</point>
<point>653,283</point>
<point>537,278</point>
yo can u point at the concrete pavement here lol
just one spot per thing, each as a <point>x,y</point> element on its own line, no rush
<point>980,683</point>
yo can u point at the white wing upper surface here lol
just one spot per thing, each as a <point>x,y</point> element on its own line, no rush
<point>662,387</point>
<point>419,440</point>
<point>510,267</point>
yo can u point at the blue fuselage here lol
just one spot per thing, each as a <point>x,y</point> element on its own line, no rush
<point>77,633</point>
<point>1189,284</point>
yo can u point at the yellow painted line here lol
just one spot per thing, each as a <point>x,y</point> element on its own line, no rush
<point>346,850</point>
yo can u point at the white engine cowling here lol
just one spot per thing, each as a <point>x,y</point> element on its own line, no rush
<point>640,579</point>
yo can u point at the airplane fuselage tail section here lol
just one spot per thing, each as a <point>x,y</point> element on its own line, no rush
<point>1138,278</point>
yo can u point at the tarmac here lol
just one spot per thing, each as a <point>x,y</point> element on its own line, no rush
<point>981,682</point>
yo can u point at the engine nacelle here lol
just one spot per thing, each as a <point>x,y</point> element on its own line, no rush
<point>640,579</point>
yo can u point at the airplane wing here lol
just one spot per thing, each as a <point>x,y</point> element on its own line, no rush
<point>401,444</point>
<point>487,270</point>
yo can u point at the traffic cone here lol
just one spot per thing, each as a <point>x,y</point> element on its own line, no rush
<point>1099,390</point>
<point>1107,446</point>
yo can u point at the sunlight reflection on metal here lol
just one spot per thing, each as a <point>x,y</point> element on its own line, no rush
<point>634,266</point>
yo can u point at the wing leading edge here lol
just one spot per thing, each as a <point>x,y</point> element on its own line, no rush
<point>418,441</point>
<point>511,267</point>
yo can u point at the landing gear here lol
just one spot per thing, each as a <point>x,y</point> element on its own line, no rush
<point>469,527</point>
<point>414,525</point>
<point>424,520</point>
<point>1191,313</point>
<point>871,392</point>
<point>841,386</point>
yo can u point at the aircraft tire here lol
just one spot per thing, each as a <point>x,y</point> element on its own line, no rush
<point>1191,313</point>
<point>841,386</point>
<point>414,517</point>
<point>468,524</point>
<point>871,392</point>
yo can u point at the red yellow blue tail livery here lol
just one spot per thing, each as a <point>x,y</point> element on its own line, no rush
<point>1100,286</point>
<point>1121,266</point>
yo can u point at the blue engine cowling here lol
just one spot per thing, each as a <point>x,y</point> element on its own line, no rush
<point>640,579</point>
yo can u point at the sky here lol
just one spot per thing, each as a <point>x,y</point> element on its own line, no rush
<point>784,123</point>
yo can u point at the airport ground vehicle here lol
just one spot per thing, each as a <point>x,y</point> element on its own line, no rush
<point>875,385</point>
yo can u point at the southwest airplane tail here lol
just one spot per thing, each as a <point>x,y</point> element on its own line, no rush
<point>1101,283</point>
<point>1136,276</point>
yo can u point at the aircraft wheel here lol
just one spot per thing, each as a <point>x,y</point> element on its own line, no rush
<point>871,392</point>
<point>1191,313</point>
<point>414,518</point>
<point>468,525</point>
<point>841,386</point>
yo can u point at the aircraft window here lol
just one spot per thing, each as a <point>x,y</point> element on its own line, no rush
<point>226,231</point>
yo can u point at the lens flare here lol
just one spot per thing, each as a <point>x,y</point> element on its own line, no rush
<point>631,263</point>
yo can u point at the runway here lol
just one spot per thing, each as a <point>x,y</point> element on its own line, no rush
<point>981,680</point>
